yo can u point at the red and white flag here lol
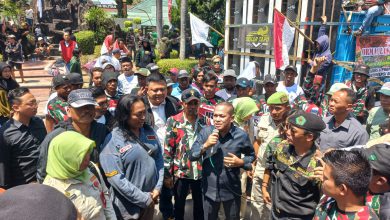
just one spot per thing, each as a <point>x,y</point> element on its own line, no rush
<point>283,38</point>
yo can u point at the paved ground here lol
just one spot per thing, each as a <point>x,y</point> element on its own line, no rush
<point>38,81</point>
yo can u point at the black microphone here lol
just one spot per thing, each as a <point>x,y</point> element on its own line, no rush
<point>213,147</point>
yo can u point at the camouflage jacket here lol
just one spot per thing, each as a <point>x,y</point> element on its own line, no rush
<point>327,210</point>
<point>180,135</point>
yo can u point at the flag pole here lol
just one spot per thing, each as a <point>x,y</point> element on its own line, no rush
<point>296,28</point>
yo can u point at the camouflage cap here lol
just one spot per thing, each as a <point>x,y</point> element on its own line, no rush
<point>277,98</point>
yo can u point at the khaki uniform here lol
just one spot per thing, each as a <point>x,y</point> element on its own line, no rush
<point>91,199</point>
<point>267,130</point>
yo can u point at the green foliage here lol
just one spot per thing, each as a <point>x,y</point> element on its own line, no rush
<point>221,42</point>
<point>97,49</point>
<point>210,11</point>
<point>11,9</point>
<point>86,41</point>
<point>174,54</point>
<point>137,20</point>
<point>166,64</point>
<point>128,24</point>
<point>99,22</point>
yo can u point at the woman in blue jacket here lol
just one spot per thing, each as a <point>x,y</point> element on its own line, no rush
<point>132,161</point>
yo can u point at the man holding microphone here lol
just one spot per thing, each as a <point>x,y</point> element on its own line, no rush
<point>220,147</point>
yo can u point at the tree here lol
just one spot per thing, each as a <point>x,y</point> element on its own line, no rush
<point>183,16</point>
<point>159,19</point>
<point>99,22</point>
<point>12,9</point>
<point>210,11</point>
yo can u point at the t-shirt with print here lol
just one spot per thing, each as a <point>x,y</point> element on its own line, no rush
<point>206,108</point>
<point>293,91</point>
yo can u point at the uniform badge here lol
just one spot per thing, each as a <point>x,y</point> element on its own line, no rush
<point>300,120</point>
<point>125,148</point>
<point>151,137</point>
<point>112,173</point>
<point>372,157</point>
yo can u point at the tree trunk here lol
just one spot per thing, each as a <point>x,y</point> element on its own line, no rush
<point>119,7</point>
<point>159,20</point>
<point>183,17</point>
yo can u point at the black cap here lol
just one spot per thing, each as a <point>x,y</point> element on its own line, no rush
<point>379,157</point>
<point>243,82</point>
<point>183,74</point>
<point>269,79</point>
<point>152,67</point>
<point>291,67</point>
<point>307,121</point>
<point>201,55</point>
<point>81,97</point>
<point>60,80</point>
<point>189,95</point>
<point>362,69</point>
<point>75,78</point>
<point>107,76</point>
<point>125,60</point>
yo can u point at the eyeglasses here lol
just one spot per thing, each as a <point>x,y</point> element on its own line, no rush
<point>33,103</point>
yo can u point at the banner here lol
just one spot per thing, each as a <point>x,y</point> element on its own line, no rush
<point>255,38</point>
<point>199,31</point>
<point>374,51</point>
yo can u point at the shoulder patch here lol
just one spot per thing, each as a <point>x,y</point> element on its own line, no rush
<point>125,148</point>
<point>112,173</point>
<point>151,137</point>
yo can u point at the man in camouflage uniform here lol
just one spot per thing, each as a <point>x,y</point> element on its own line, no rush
<point>267,129</point>
<point>378,197</point>
<point>180,173</point>
<point>365,95</point>
<point>346,179</point>
<point>294,193</point>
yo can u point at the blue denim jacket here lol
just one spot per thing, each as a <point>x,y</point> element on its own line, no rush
<point>132,173</point>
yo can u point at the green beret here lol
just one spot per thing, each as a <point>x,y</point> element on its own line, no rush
<point>277,98</point>
<point>307,121</point>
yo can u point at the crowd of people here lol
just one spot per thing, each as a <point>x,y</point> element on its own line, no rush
<point>137,138</point>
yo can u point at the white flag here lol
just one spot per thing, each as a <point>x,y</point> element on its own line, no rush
<point>199,31</point>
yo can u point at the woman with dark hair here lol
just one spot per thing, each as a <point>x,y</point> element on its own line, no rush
<point>132,160</point>
<point>197,84</point>
<point>7,83</point>
<point>145,55</point>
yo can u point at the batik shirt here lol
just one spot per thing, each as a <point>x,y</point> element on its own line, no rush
<point>206,108</point>
<point>57,109</point>
<point>328,210</point>
<point>180,135</point>
<point>271,147</point>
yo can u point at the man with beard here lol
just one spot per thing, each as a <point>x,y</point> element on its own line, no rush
<point>365,95</point>
<point>20,138</point>
<point>180,173</point>
<point>81,113</point>
<point>127,80</point>
<point>342,129</point>
<point>268,128</point>
<point>229,81</point>
<point>159,107</point>
<point>379,114</point>
<point>224,149</point>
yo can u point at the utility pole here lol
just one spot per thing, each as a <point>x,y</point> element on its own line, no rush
<point>183,18</point>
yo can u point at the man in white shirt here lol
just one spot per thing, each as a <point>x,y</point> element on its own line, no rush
<point>127,81</point>
<point>29,16</point>
<point>229,82</point>
<point>288,85</point>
